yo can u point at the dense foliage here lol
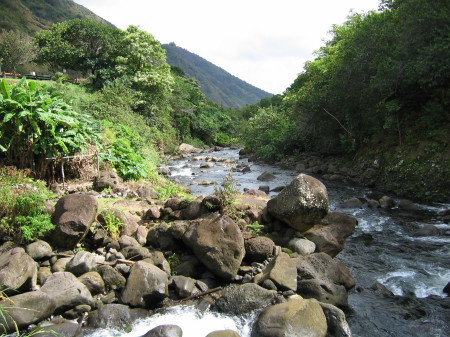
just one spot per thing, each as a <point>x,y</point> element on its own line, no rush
<point>382,77</point>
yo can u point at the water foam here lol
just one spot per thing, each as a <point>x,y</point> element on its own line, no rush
<point>189,319</point>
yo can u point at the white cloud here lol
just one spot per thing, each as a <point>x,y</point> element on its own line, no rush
<point>263,42</point>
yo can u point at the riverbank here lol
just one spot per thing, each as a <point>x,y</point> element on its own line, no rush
<point>121,252</point>
<point>417,171</point>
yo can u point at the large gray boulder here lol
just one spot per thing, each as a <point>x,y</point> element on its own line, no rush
<point>73,217</point>
<point>25,309</point>
<point>330,235</point>
<point>18,271</point>
<point>66,329</point>
<point>83,262</point>
<point>296,318</point>
<point>282,270</point>
<point>66,291</point>
<point>39,250</point>
<point>301,204</point>
<point>241,299</point>
<point>322,278</point>
<point>146,285</point>
<point>94,282</point>
<point>218,243</point>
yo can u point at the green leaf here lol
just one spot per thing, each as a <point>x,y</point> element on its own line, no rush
<point>4,88</point>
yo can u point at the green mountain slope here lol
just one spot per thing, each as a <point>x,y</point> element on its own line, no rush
<point>30,16</point>
<point>218,85</point>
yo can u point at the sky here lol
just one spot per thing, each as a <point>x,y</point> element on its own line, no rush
<point>265,43</point>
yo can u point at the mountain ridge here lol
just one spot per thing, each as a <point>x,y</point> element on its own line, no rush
<point>217,84</point>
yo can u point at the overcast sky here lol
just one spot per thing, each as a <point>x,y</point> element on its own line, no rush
<point>264,43</point>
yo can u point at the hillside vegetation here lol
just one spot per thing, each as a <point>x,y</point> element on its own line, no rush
<point>378,93</point>
<point>31,16</point>
<point>218,85</point>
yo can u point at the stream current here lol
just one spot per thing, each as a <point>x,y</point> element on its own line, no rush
<point>383,249</point>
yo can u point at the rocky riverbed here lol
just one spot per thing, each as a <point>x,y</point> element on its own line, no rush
<point>83,277</point>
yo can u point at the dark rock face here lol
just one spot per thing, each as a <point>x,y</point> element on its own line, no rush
<point>66,291</point>
<point>218,243</point>
<point>111,277</point>
<point>73,217</point>
<point>329,236</point>
<point>302,204</point>
<point>295,318</point>
<point>25,309</point>
<point>324,279</point>
<point>17,270</point>
<point>245,298</point>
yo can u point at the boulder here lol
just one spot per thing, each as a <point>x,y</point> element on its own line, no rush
<point>446,289</point>
<point>195,209</point>
<point>427,230</point>
<point>408,205</point>
<point>111,277</point>
<point>266,176</point>
<point>60,264</point>
<point>351,203</point>
<point>106,179</point>
<point>127,241</point>
<point>259,249</point>
<point>39,250</point>
<point>94,282</point>
<point>218,243</point>
<point>43,274</point>
<point>324,279</point>
<point>167,330</point>
<point>18,271</point>
<point>302,204</point>
<point>25,309</point>
<point>146,285</point>
<point>66,291</point>
<point>141,235</point>
<point>282,271</point>
<point>112,316</point>
<point>81,263</point>
<point>73,217</point>
<point>184,286</point>
<point>242,299</point>
<point>387,202</point>
<point>256,193</point>
<point>145,192</point>
<point>329,236</point>
<point>135,253</point>
<point>223,333</point>
<point>152,213</point>
<point>159,236</point>
<point>66,329</point>
<point>302,246</point>
<point>186,148</point>
<point>296,318</point>
<point>336,322</point>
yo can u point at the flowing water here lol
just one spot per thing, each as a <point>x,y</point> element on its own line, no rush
<point>383,250</point>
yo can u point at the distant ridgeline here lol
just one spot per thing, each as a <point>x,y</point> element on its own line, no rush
<point>218,85</point>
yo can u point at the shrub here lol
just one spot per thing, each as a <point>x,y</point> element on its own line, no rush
<point>22,205</point>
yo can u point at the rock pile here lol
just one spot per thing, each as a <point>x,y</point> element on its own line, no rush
<point>172,249</point>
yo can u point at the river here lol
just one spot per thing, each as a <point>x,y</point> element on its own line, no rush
<point>383,249</point>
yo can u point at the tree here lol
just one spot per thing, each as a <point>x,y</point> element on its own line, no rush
<point>82,45</point>
<point>15,49</point>
<point>144,61</point>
